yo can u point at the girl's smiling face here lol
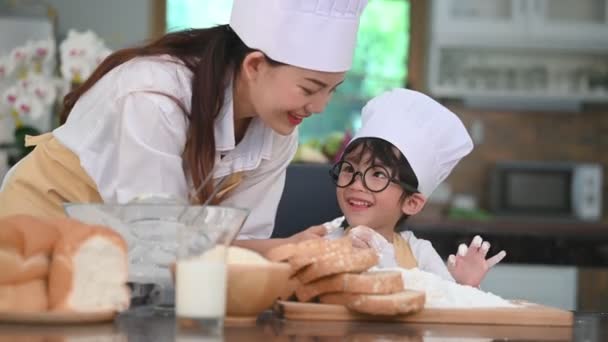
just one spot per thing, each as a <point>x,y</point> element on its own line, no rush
<point>361,206</point>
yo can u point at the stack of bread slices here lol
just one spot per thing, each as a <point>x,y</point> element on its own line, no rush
<point>334,272</point>
<point>61,265</point>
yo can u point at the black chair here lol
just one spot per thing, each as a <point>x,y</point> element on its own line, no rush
<point>309,199</point>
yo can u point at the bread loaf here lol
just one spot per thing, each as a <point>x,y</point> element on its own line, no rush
<point>88,272</point>
<point>30,296</point>
<point>387,304</point>
<point>358,260</point>
<point>365,283</point>
<point>25,247</point>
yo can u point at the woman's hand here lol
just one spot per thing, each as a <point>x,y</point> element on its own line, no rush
<point>469,266</point>
<point>313,232</point>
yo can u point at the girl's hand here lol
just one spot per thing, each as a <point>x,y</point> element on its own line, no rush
<point>469,266</point>
<point>365,237</point>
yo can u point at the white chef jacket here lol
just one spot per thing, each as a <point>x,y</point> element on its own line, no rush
<point>130,141</point>
<point>426,256</point>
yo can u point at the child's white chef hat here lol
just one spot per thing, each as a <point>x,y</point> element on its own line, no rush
<point>431,137</point>
<point>312,34</point>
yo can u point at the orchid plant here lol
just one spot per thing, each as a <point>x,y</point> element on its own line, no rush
<point>31,83</point>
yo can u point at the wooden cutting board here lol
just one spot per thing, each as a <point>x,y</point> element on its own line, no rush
<point>528,314</point>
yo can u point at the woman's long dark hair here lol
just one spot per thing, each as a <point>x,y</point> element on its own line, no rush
<point>211,54</point>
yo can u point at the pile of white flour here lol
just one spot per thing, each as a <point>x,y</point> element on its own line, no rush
<point>442,293</point>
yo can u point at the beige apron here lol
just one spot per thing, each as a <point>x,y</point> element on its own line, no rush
<point>403,252</point>
<point>51,175</point>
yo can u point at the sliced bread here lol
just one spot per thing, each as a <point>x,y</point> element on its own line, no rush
<point>306,249</point>
<point>358,260</point>
<point>305,257</point>
<point>385,305</point>
<point>367,282</point>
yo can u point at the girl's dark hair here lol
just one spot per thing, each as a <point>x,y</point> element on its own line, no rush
<point>211,54</point>
<point>380,150</point>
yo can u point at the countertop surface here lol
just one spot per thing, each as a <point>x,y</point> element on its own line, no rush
<point>161,327</point>
<point>512,226</point>
<point>542,242</point>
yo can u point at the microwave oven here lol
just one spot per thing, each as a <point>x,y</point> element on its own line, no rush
<point>567,190</point>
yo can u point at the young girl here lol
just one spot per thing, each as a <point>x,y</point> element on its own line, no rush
<point>226,101</point>
<point>407,145</point>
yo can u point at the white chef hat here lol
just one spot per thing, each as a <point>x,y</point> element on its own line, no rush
<point>312,34</point>
<point>431,137</point>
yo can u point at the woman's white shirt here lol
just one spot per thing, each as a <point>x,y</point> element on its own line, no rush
<point>130,137</point>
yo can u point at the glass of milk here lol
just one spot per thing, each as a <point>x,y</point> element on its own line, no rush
<point>200,276</point>
<point>158,232</point>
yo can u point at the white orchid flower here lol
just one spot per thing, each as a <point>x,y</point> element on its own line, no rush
<point>29,108</point>
<point>43,50</point>
<point>44,89</point>
<point>43,56</point>
<point>11,95</point>
<point>81,45</point>
<point>76,70</point>
<point>6,68</point>
<point>21,58</point>
<point>21,55</point>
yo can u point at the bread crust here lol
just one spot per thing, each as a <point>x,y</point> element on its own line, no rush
<point>358,260</point>
<point>30,296</point>
<point>385,305</point>
<point>27,235</point>
<point>386,282</point>
<point>26,244</point>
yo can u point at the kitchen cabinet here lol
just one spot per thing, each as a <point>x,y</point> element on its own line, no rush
<point>582,21</point>
<point>516,23</point>
<point>519,52</point>
<point>457,18</point>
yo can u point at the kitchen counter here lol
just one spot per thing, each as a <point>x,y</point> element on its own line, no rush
<point>526,241</point>
<point>588,327</point>
<point>524,227</point>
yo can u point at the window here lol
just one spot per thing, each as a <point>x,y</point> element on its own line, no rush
<point>380,61</point>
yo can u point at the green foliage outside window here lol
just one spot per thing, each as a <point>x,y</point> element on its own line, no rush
<point>380,61</point>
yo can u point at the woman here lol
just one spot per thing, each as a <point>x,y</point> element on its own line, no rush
<point>160,118</point>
